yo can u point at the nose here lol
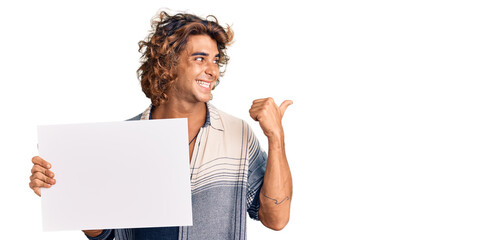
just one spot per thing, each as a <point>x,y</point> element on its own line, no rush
<point>212,70</point>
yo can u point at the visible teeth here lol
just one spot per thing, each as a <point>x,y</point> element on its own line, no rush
<point>204,84</point>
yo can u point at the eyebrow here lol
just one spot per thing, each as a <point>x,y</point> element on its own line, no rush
<point>200,54</point>
<point>203,54</point>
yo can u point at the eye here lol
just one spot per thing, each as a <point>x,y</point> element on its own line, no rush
<point>200,59</point>
<point>216,61</point>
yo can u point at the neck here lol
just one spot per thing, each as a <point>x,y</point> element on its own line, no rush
<point>194,112</point>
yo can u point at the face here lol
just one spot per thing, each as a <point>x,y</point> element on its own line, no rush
<point>197,71</point>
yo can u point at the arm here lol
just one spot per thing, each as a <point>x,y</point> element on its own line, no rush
<point>276,192</point>
<point>92,233</point>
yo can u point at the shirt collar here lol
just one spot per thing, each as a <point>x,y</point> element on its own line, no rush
<point>213,117</point>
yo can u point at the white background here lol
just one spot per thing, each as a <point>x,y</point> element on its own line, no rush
<point>395,132</point>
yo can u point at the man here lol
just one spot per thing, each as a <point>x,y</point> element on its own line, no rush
<point>230,174</point>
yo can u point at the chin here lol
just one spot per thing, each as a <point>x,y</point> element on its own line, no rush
<point>205,99</point>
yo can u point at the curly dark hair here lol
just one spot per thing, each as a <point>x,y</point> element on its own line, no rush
<point>163,46</point>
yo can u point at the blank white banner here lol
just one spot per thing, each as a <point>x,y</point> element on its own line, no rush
<point>116,175</point>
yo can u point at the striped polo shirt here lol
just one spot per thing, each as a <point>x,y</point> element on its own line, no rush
<point>226,172</point>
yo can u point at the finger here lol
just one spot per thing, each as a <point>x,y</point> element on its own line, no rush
<point>39,183</point>
<point>45,171</point>
<point>264,102</point>
<point>39,161</point>
<point>44,178</point>
<point>36,190</point>
<point>257,113</point>
<point>260,100</point>
<point>257,105</point>
<point>285,105</point>
<point>255,110</point>
<point>253,114</point>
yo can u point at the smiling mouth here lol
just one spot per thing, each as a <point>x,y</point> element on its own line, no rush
<point>203,83</point>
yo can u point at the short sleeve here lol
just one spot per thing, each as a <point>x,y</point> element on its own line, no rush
<point>256,169</point>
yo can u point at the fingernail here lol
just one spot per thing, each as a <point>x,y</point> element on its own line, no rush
<point>48,165</point>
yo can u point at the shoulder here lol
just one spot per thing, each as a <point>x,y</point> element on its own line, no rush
<point>145,115</point>
<point>232,127</point>
<point>135,118</point>
<point>224,120</point>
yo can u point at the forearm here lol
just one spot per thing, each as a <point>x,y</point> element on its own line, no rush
<point>276,192</point>
<point>92,233</point>
<point>106,234</point>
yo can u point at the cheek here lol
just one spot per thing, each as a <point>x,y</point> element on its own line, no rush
<point>193,69</point>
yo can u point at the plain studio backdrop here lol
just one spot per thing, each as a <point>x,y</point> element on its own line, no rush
<point>395,132</point>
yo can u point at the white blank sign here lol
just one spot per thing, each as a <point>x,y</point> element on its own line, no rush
<point>116,175</point>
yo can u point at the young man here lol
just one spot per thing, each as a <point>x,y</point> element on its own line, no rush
<point>230,174</point>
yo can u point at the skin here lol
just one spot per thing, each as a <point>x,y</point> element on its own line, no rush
<point>199,61</point>
<point>276,192</point>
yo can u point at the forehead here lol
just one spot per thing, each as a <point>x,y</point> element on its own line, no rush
<point>201,43</point>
